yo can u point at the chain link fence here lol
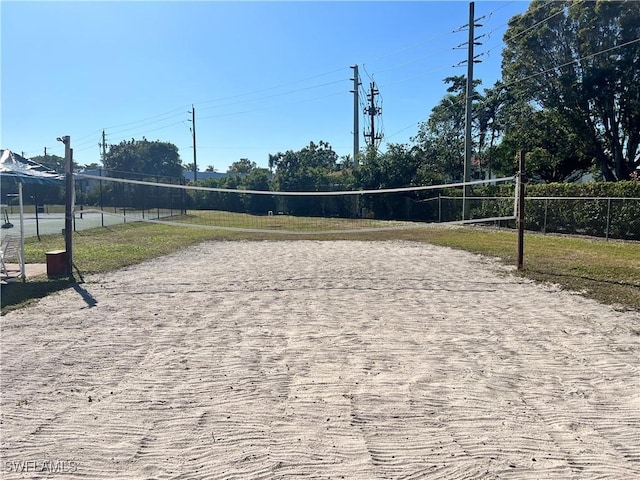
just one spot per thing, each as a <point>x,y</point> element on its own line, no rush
<point>608,217</point>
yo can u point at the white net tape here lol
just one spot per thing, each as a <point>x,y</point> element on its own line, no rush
<point>290,212</point>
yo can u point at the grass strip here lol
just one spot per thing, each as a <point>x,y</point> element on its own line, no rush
<point>605,271</point>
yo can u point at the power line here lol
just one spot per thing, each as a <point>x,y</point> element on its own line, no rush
<point>461,100</point>
<point>174,111</point>
<point>402,49</point>
<point>576,60</point>
<point>275,95</point>
<point>268,107</point>
<point>118,132</point>
<point>273,88</point>
<point>524,31</point>
<point>413,77</point>
<point>170,114</point>
<point>152,120</point>
<point>200,103</point>
<point>414,124</point>
<point>400,65</point>
<point>79,143</point>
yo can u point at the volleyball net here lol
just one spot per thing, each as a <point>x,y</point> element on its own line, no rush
<point>291,212</point>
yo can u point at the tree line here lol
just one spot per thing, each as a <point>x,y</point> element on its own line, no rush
<point>569,96</point>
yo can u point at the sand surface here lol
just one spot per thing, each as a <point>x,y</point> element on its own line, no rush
<point>327,360</point>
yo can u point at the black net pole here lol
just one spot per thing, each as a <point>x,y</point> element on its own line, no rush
<point>521,194</point>
<point>101,201</point>
<point>35,200</point>
<point>68,210</point>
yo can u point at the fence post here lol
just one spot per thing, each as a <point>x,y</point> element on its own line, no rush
<point>101,199</point>
<point>546,207</point>
<point>35,200</point>
<point>521,193</point>
<point>157,199</point>
<point>608,218</point>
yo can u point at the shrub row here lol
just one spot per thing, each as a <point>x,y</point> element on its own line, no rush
<point>603,209</point>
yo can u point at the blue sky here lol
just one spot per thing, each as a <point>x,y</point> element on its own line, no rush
<point>264,77</point>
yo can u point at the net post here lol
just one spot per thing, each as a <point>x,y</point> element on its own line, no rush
<point>22,260</point>
<point>521,180</point>
<point>101,200</point>
<point>68,204</point>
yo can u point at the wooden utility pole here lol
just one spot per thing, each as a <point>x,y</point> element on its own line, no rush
<point>372,111</point>
<point>103,145</point>
<point>468,107</point>
<point>193,131</point>
<point>356,115</point>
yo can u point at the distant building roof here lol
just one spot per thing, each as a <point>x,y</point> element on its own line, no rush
<point>188,175</point>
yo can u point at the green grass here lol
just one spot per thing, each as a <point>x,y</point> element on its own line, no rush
<point>606,271</point>
<point>280,222</point>
<point>49,208</point>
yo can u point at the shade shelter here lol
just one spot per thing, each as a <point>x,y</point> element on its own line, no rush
<point>17,170</point>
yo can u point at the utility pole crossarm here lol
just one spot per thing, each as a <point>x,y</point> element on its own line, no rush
<point>103,145</point>
<point>372,110</point>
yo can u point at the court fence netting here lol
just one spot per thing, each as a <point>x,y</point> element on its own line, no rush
<point>105,201</point>
<point>289,212</point>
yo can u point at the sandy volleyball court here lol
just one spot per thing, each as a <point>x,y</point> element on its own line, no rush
<point>328,360</point>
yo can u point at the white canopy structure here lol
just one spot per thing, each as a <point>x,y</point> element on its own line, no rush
<point>15,169</point>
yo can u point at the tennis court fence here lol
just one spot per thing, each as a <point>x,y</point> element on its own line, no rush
<point>104,203</point>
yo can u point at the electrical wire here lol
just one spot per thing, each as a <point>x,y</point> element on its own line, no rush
<point>275,95</point>
<point>537,24</point>
<point>586,57</point>
<point>272,88</point>
<point>162,117</point>
<point>577,60</point>
<point>268,107</point>
<point>153,120</point>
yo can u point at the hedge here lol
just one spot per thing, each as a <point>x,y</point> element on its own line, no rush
<point>611,209</point>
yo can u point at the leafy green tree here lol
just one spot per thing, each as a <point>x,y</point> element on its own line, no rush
<point>400,165</point>
<point>242,167</point>
<point>581,60</point>
<point>489,114</point>
<point>442,135</point>
<point>309,169</point>
<point>304,170</point>
<point>553,148</point>
<point>145,158</point>
<point>257,179</point>
<point>54,162</point>
<point>208,200</point>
